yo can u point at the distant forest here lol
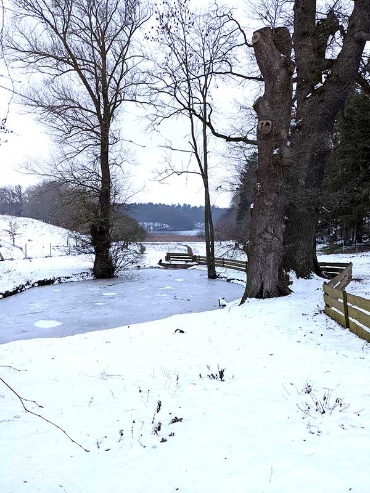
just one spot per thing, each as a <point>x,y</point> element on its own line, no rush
<point>158,217</point>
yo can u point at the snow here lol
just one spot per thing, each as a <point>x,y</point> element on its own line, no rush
<point>205,402</point>
<point>34,238</point>
<point>47,324</point>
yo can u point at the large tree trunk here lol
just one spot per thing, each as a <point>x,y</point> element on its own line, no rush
<point>322,88</point>
<point>103,266</point>
<point>101,226</point>
<point>313,149</point>
<point>265,275</point>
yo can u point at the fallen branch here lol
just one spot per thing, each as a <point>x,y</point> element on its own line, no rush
<point>23,400</point>
<point>11,367</point>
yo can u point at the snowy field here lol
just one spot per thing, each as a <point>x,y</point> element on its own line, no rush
<point>224,401</point>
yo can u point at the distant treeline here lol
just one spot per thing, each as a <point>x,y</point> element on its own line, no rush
<point>178,217</point>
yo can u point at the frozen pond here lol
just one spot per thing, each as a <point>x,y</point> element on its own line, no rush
<point>139,296</point>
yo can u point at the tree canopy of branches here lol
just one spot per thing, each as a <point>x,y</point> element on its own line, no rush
<point>56,203</point>
<point>85,57</point>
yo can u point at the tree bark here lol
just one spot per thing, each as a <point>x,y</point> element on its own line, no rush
<point>313,150</point>
<point>265,274</point>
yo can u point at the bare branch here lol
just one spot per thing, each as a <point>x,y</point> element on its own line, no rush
<point>11,367</point>
<point>170,148</point>
<point>241,30</point>
<point>230,138</point>
<point>22,400</point>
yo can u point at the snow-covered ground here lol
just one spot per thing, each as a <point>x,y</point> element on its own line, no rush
<point>218,401</point>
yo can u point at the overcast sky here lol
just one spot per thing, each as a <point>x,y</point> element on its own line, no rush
<point>29,142</point>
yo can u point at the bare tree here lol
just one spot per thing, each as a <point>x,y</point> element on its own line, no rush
<point>293,152</point>
<point>194,48</point>
<point>86,55</point>
<point>13,229</point>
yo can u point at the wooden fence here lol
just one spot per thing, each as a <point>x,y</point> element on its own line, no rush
<point>188,258</point>
<point>224,262</point>
<point>350,311</point>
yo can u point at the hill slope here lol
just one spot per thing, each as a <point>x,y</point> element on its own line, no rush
<point>22,237</point>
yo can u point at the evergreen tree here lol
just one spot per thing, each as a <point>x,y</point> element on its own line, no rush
<point>346,187</point>
<point>234,224</point>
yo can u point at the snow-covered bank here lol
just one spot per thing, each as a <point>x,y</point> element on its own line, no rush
<point>150,405</point>
<point>209,402</point>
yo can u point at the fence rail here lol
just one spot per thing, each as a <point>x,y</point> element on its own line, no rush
<point>350,311</point>
<point>339,272</point>
<point>199,259</point>
<point>224,262</point>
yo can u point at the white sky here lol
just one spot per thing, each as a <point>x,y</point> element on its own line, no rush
<point>30,142</point>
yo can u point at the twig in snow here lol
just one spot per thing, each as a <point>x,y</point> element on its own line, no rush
<point>23,399</point>
<point>158,408</point>
<point>271,473</point>
<point>11,367</point>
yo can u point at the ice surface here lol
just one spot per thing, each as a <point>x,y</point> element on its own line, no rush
<point>138,296</point>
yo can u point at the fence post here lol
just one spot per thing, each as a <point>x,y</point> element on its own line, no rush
<point>345,306</point>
